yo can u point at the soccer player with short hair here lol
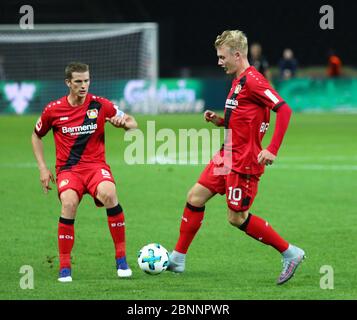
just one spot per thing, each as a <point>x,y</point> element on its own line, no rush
<point>236,169</point>
<point>77,122</point>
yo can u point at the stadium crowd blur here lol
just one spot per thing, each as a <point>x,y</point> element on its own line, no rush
<point>277,47</point>
<point>288,64</point>
<point>334,67</point>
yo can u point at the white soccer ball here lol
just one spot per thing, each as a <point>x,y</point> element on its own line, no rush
<point>153,258</point>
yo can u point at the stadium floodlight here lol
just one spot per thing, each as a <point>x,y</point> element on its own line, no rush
<point>115,51</point>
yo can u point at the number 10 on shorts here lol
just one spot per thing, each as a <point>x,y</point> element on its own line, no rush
<point>235,194</point>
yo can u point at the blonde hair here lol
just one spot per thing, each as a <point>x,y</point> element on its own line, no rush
<point>235,40</point>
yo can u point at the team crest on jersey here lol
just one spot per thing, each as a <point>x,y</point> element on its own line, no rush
<point>238,88</point>
<point>92,113</point>
<point>63,183</point>
<point>39,124</point>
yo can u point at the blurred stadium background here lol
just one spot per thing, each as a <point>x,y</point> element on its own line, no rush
<point>170,45</point>
<point>156,59</point>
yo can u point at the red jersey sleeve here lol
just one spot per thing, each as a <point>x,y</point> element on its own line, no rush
<point>44,122</point>
<point>111,109</point>
<point>283,115</point>
<point>263,93</point>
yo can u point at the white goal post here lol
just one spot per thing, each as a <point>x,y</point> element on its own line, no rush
<point>114,51</point>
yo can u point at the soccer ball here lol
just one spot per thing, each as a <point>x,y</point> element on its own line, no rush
<point>153,258</point>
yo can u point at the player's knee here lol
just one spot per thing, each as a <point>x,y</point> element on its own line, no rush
<point>195,199</point>
<point>69,208</point>
<point>108,198</point>
<point>237,218</point>
<point>69,201</point>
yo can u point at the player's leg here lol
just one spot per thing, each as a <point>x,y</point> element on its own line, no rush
<point>192,216</point>
<point>190,223</point>
<point>241,191</point>
<point>261,230</point>
<point>106,194</point>
<point>69,200</point>
<point>70,191</point>
<point>257,228</point>
<point>210,182</point>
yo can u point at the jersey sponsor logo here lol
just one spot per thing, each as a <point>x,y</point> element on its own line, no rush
<point>85,129</point>
<point>92,113</point>
<point>271,96</point>
<point>231,103</point>
<point>39,124</point>
<point>63,183</point>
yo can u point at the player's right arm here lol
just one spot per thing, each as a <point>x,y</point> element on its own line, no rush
<point>45,174</point>
<point>211,116</point>
<point>42,126</point>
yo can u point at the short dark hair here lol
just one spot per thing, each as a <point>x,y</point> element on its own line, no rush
<point>75,67</point>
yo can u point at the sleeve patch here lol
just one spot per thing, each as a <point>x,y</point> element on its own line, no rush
<point>119,112</point>
<point>271,96</point>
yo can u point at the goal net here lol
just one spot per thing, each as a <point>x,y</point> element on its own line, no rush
<point>114,52</point>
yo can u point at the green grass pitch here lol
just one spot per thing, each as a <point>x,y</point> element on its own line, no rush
<point>309,196</point>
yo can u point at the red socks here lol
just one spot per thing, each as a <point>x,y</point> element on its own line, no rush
<point>117,229</point>
<point>191,222</point>
<point>260,230</point>
<point>66,235</point>
<point>65,241</point>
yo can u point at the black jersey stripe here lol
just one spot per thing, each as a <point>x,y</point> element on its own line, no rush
<point>81,142</point>
<point>228,112</point>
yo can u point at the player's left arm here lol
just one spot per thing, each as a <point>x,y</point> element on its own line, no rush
<point>268,97</point>
<point>124,121</point>
<point>119,118</point>
<point>268,155</point>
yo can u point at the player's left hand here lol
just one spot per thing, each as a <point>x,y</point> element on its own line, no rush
<point>266,157</point>
<point>117,121</point>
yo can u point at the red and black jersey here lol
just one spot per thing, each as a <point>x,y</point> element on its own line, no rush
<point>78,130</point>
<point>247,114</point>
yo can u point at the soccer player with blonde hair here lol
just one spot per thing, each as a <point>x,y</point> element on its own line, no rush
<point>236,169</point>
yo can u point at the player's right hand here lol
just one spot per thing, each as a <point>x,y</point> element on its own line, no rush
<point>211,116</point>
<point>45,177</point>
